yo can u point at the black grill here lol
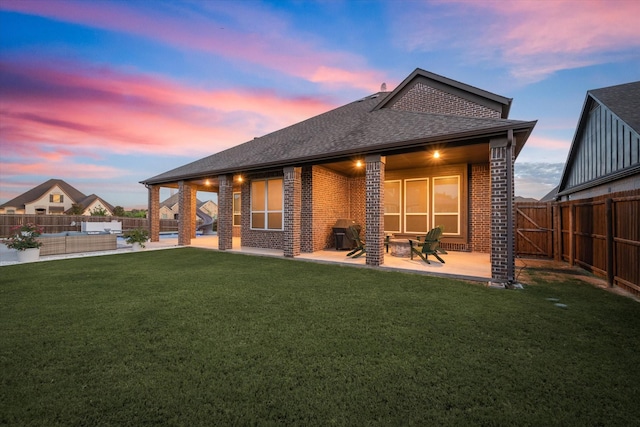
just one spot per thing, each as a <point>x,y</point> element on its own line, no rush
<point>341,234</point>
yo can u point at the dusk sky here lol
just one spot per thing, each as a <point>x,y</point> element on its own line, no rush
<point>104,94</point>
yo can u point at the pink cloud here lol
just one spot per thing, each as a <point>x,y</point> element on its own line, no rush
<point>65,121</point>
<point>533,38</point>
<point>548,143</point>
<point>276,49</point>
<point>80,109</point>
<point>62,170</point>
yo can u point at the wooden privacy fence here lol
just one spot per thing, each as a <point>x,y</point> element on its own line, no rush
<point>534,229</point>
<point>601,235</point>
<point>60,223</point>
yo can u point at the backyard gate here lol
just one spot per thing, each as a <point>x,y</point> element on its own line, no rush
<point>534,229</point>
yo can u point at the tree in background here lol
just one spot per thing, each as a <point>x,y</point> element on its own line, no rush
<point>99,211</point>
<point>76,209</point>
<point>137,213</point>
<point>119,211</point>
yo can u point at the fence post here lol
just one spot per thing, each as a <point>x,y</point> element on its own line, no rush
<point>557,223</point>
<point>608,215</point>
<point>572,235</point>
<point>549,225</point>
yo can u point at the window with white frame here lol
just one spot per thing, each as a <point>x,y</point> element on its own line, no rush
<point>446,203</point>
<point>392,205</point>
<point>427,202</point>
<point>267,204</point>
<point>416,205</point>
<point>236,208</point>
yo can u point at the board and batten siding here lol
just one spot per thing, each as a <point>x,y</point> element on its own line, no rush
<point>608,146</point>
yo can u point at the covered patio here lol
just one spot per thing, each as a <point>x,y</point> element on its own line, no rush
<point>460,265</point>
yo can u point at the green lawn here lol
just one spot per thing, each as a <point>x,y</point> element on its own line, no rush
<point>192,337</point>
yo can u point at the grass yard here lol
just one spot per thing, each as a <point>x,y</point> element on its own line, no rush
<point>190,337</point>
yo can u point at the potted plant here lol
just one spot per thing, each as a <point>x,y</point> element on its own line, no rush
<point>137,238</point>
<point>23,238</point>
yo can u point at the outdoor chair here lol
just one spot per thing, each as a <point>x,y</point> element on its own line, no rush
<point>360,246</point>
<point>430,245</point>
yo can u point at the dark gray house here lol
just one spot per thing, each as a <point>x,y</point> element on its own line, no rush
<point>605,153</point>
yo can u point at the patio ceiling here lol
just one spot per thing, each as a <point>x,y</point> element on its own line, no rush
<point>412,159</point>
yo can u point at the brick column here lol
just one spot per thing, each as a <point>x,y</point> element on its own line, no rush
<point>292,210</point>
<point>374,205</point>
<point>185,227</point>
<point>154,212</point>
<point>225,212</point>
<point>501,254</point>
<point>192,209</point>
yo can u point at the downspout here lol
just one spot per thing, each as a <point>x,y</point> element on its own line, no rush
<point>510,226</point>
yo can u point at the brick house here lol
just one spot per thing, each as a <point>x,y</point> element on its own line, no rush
<point>433,151</point>
<point>170,208</point>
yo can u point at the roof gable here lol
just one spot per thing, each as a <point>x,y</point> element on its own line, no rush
<point>91,199</point>
<point>606,144</point>
<point>174,199</point>
<point>41,190</point>
<point>427,92</point>
<point>622,100</point>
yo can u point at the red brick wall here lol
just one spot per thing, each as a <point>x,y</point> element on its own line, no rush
<point>426,99</point>
<point>329,201</point>
<point>358,200</point>
<point>480,208</point>
<point>325,197</point>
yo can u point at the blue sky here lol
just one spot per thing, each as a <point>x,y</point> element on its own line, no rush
<point>104,94</point>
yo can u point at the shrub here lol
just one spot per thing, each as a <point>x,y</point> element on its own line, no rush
<point>24,237</point>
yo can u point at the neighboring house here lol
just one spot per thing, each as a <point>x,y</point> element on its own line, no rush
<point>433,151</point>
<point>53,197</point>
<point>550,196</point>
<point>170,208</point>
<point>605,153</point>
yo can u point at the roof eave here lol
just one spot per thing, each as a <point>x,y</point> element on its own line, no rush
<point>527,127</point>
<point>635,170</point>
<point>506,102</point>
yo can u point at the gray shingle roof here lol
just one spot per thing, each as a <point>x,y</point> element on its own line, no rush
<point>86,202</point>
<point>175,199</point>
<point>38,191</point>
<point>355,128</point>
<point>623,101</point>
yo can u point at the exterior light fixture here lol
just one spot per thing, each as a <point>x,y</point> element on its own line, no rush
<point>239,178</point>
<point>207,182</point>
<point>359,163</point>
<point>436,154</point>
